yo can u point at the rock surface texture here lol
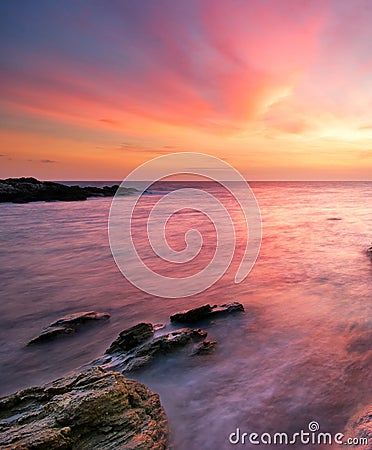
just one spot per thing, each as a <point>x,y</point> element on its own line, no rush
<point>24,190</point>
<point>68,325</point>
<point>141,355</point>
<point>131,338</point>
<point>360,426</point>
<point>93,409</point>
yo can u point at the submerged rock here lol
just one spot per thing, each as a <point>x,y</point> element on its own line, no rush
<point>206,312</point>
<point>93,409</point>
<point>68,324</point>
<point>131,337</point>
<point>360,427</point>
<point>205,347</point>
<point>361,343</point>
<point>143,354</point>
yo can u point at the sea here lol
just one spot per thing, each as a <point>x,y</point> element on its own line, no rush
<point>300,353</point>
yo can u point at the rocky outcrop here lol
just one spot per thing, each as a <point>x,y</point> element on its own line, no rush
<point>24,190</point>
<point>131,338</point>
<point>140,356</point>
<point>360,427</point>
<point>68,324</point>
<point>206,312</point>
<point>93,409</point>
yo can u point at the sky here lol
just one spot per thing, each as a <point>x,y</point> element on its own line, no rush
<point>280,89</point>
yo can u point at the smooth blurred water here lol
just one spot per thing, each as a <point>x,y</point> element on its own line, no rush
<point>286,361</point>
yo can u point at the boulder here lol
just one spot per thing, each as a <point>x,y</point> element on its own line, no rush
<point>206,312</point>
<point>131,338</point>
<point>93,409</point>
<point>360,427</point>
<point>142,355</point>
<point>68,324</point>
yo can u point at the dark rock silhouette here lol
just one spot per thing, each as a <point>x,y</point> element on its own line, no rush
<point>206,312</point>
<point>24,190</point>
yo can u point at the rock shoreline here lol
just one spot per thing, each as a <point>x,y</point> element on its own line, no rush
<point>97,407</point>
<point>24,190</point>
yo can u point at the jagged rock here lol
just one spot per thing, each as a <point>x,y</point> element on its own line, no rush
<point>206,312</point>
<point>205,347</point>
<point>93,409</point>
<point>360,427</point>
<point>68,324</point>
<point>161,345</point>
<point>24,190</point>
<point>131,337</point>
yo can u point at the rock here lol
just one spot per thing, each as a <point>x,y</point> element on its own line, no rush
<point>93,409</point>
<point>205,347</point>
<point>206,312</point>
<point>360,343</point>
<point>228,308</point>
<point>131,338</point>
<point>360,427</point>
<point>50,333</point>
<point>68,324</point>
<point>161,345</point>
<point>192,315</point>
<point>24,190</point>
<point>80,317</point>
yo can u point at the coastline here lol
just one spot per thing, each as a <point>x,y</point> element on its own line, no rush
<point>97,406</point>
<point>29,189</point>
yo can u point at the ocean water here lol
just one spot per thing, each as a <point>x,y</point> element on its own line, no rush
<point>301,352</point>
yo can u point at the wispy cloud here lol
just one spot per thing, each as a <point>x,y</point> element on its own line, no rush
<point>43,161</point>
<point>140,147</point>
<point>365,154</point>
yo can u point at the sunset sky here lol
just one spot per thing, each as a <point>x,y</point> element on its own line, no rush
<point>280,89</point>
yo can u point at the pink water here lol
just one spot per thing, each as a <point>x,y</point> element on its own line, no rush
<point>286,361</point>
